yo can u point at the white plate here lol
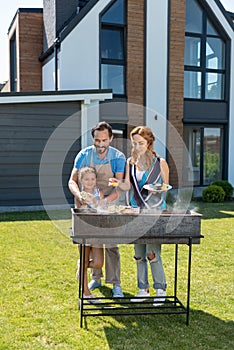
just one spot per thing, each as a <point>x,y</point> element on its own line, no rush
<point>151,187</point>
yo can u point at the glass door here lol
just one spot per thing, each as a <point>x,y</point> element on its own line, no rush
<point>212,155</point>
<point>205,146</point>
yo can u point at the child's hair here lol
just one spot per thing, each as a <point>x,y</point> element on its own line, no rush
<point>86,170</point>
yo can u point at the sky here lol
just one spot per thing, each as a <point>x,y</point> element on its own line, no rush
<point>8,11</point>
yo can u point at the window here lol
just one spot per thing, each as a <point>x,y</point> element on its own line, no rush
<point>204,56</point>
<point>13,64</point>
<point>113,48</point>
<point>205,146</point>
<point>113,77</point>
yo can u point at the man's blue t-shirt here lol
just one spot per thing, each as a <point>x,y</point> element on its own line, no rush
<point>117,159</point>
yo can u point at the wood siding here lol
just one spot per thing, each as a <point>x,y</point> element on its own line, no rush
<point>135,61</point>
<point>176,90</point>
<point>30,48</point>
<point>24,131</point>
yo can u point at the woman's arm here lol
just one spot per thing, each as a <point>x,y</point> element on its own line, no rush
<point>164,171</point>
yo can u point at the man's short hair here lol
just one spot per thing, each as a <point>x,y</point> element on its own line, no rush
<point>102,126</point>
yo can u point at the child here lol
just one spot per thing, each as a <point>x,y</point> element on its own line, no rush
<point>91,196</point>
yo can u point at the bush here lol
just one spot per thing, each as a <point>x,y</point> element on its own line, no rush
<point>170,198</point>
<point>226,186</point>
<point>213,194</point>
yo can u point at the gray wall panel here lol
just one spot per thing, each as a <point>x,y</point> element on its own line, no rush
<point>24,132</point>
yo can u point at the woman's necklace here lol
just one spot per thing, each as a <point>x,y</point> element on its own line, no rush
<point>141,164</point>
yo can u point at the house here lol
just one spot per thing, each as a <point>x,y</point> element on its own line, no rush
<point>168,63</point>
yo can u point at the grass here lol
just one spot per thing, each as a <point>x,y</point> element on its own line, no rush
<point>38,292</point>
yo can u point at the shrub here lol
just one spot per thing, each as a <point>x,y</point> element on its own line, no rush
<point>170,198</point>
<point>226,186</point>
<point>213,194</point>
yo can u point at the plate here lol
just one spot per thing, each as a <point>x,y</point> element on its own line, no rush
<point>157,187</point>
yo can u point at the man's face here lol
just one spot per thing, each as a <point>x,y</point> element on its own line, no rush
<point>101,141</point>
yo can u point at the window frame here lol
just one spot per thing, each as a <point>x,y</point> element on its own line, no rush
<point>203,36</point>
<point>192,151</point>
<point>108,61</point>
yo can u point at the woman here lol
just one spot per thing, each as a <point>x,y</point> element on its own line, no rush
<point>144,167</point>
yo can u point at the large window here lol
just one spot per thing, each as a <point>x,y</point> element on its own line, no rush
<point>113,48</point>
<point>205,147</point>
<point>204,56</point>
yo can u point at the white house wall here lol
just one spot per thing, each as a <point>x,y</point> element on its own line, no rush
<point>156,70</point>
<point>48,76</point>
<point>79,59</point>
<point>230,33</point>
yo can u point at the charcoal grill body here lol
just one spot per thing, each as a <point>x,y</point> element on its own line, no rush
<point>146,227</point>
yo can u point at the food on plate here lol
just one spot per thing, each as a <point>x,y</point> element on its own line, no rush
<point>122,207</point>
<point>111,208</point>
<point>157,187</point>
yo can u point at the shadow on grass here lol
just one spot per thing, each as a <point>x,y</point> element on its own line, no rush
<point>205,331</point>
<point>209,211</point>
<point>131,332</point>
<point>36,215</point>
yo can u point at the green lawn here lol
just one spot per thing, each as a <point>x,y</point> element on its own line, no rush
<point>38,293</point>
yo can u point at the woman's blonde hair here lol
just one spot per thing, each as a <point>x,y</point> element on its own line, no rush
<point>147,134</point>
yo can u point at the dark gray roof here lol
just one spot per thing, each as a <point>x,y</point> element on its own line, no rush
<point>87,6</point>
<point>226,14</point>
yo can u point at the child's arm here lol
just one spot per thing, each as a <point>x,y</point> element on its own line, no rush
<point>101,194</point>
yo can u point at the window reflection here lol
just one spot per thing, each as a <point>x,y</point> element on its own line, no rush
<point>112,78</point>
<point>192,52</point>
<point>193,17</point>
<point>210,29</point>
<point>112,48</point>
<point>192,84</point>
<point>112,44</point>
<point>215,54</point>
<point>212,155</point>
<point>204,56</point>
<point>214,86</point>
<point>115,14</point>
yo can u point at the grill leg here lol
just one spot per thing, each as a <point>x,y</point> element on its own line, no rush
<point>80,273</point>
<point>81,282</point>
<point>189,279</point>
<point>176,273</point>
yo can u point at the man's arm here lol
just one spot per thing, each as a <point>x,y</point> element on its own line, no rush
<point>73,185</point>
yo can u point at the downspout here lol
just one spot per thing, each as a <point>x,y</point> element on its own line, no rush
<point>56,49</point>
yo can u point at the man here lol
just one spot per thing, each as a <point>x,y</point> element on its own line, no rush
<point>109,163</point>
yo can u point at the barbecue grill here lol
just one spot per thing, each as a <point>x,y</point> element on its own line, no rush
<point>90,226</point>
